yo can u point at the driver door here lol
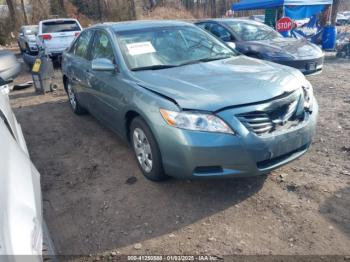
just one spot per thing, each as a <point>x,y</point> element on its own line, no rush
<point>106,85</point>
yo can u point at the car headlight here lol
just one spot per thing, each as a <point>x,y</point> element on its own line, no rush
<point>308,95</point>
<point>196,121</point>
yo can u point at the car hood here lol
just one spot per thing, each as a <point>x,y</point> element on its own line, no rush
<point>298,48</point>
<point>215,85</point>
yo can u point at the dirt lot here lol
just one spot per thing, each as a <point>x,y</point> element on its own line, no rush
<point>97,202</point>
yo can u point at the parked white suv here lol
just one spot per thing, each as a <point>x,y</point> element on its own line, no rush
<point>55,35</point>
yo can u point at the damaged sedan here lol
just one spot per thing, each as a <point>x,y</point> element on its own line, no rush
<point>189,106</point>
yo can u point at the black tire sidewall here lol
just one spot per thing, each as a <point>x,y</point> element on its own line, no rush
<point>157,172</point>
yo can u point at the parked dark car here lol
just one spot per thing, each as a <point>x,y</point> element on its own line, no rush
<point>189,105</point>
<point>257,40</point>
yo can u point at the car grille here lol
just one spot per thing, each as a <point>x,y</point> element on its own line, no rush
<point>282,116</point>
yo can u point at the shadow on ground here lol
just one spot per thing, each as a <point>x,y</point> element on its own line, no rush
<point>95,198</point>
<point>337,210</point>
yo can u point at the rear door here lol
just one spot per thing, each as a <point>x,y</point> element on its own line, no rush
<point>79,63</point>
<point>57,35</point>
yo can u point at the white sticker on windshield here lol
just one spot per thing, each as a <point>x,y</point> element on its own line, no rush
<point>140,48</point>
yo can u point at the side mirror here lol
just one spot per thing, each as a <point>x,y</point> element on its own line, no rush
<point>232,45</point>
<point>21,34</point>
<point>103,64</point>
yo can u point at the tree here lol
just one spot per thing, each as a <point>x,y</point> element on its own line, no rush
<point>24,13</point>
<point>12,10</point>
<point>335,8</point>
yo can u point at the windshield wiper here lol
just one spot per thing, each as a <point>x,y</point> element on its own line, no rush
<point>153,67</point>
<point>203,60</point>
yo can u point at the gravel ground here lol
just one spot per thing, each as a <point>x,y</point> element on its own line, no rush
<point>97,202</point>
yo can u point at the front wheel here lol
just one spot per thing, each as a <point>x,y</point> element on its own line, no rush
<point>146,150</point>
<point>73,101</point>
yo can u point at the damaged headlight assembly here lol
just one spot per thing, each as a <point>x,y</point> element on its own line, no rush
<point>194,121</point>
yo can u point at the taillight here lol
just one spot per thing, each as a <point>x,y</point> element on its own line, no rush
<point>77,33</point>
<point>46,37</point>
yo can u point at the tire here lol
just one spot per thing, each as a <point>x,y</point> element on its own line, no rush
<point>73,101</point>
<point>153,171</point>
<point>20,48</point>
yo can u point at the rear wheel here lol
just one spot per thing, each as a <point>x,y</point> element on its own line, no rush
<point>146,150</point>
<point>73,101</point>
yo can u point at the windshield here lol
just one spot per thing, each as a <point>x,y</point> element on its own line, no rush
<point>252,32</point>
<point>60,26</point>
<point>170,47</point>
<point>30,30</point>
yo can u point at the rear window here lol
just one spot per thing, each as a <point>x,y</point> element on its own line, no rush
<point>60,26</point>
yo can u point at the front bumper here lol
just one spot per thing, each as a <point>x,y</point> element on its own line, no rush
<point>33,47</point>
<point>307,66</point>
<point>189,154</point>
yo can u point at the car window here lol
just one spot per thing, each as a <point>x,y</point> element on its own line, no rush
<point>82,44</point>
<point>60,26</point>
<point>205,26</point>
<point>102,47</point>
<point>30,30</point>
<point>253,32</point>
<point>220,32</point>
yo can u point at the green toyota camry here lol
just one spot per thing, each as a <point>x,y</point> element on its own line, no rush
<point>188,105</point>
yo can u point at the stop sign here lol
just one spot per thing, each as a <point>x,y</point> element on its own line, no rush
<point>284,24</point>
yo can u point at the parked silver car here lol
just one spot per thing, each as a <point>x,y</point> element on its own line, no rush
<point>22,229</point>
<point>27,39</point>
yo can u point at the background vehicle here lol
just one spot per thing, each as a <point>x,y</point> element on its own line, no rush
<point>258,18</point>
<point>56,35</point>
<point>342,19</point>
<point>23,230</point>
<point>346,14</point>
<point>27,39</point>
<point>260,41</point>
<point>9,69</point>
<point>189,106</point>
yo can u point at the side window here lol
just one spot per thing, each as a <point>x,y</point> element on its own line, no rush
<point>102,47</point>
<point>205,26</point>
<point>82,44</point>
<point>220,32</point>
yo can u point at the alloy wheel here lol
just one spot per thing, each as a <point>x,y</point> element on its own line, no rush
<point>71,97</point>
<point>143,150</point>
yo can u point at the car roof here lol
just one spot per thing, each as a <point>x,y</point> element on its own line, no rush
<point>58,19</point>
<point>140,24</point>
<point>237,20</point>
<point>29,26</point>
